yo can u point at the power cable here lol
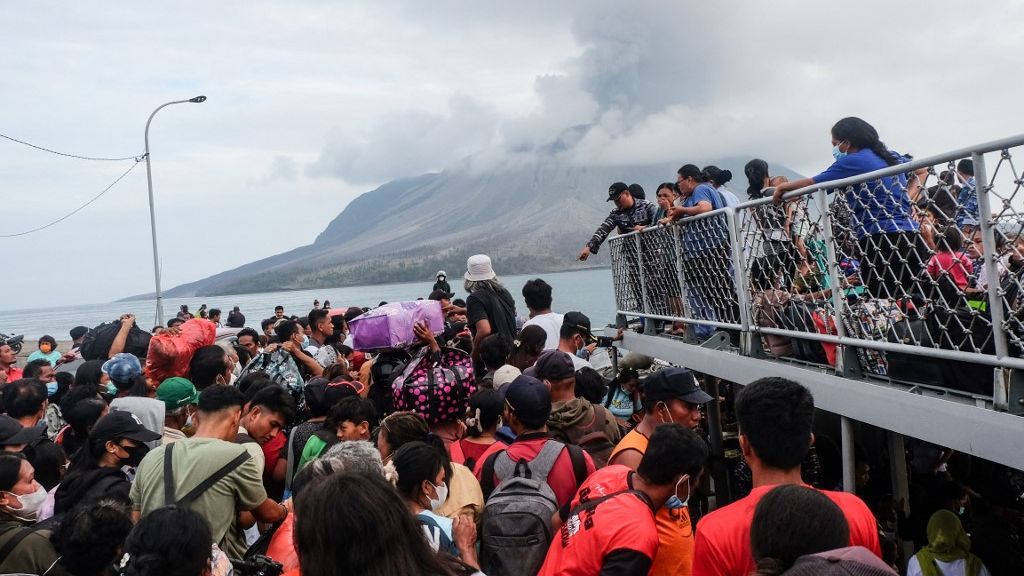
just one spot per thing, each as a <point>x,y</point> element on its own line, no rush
<point>79,209</point>
<point>12,139</point>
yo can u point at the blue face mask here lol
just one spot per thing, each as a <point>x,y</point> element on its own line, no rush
<point>837,153</point>
<point>674,502</point>
<point>305,341</point>
<point>51,388</point>
<point>111,389</point>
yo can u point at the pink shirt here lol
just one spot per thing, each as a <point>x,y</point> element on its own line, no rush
<point>958,266</point>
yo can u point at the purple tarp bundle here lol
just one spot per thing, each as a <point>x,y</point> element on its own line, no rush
<point>390,325</point>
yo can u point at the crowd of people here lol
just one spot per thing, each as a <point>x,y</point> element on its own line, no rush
<point>910,257</point>
<point>488,443</point>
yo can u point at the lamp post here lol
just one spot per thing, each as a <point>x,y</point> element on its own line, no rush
<point>152,212</point>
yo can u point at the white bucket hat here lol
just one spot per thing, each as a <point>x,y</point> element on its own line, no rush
<point>479,268</point>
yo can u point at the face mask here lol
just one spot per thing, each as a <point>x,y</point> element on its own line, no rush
<point>442,497</point>
<point>111,389</point>
<point>135,454</point>
<point>837,153</point>
<point>960,512</point>
<point>305,341</point>
<point>30,504</point>
<point>51,388</point>
<point>45,348</point>
<point>674,503</point>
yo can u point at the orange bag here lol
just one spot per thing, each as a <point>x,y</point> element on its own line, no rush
<point>169,354</point>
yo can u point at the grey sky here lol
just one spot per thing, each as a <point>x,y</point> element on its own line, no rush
<point>312,103</point>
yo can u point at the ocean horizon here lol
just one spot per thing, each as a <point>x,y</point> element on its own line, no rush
<point>589,291</point>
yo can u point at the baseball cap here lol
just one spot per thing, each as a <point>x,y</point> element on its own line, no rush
<point>439,295</point>
<point>552,365</point>
<point>119,424</point>
<point>504,375</point>
<point>12,432</point>
<point>615,189</point>
<point>579,321</point>
<point>850,561</point>
<point>341,387</point>
<point>78,331</point>
<point>528,397</point>
<point>670,383</point>
<point>122,367</point>
<point>177,392</point>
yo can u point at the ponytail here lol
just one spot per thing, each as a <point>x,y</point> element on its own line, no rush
<point>756,171</point>
<point>862,135</point>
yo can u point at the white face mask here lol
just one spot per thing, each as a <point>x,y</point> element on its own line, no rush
<point>442,497</point>
<point>674,502</point>
<point>30,504</point>
<point>671,420</point>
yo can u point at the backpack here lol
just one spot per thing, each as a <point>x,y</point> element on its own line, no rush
<point>437,391</point>
<point>96,343</point>
<point>591,438</point>
<point>386,366</point>
<point>516,528</point>
<point>282,369</point>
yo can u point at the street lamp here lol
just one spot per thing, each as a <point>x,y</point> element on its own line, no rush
<point>152,212</point>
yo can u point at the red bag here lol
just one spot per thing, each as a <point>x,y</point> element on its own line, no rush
<point>169,354</point>
<point>824,323</point>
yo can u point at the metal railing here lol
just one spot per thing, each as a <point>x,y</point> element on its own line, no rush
<point>868,273</point>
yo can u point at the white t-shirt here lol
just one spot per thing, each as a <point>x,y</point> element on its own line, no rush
<point>954,568</point>
<point>552,325</point>
<point>578,363</point>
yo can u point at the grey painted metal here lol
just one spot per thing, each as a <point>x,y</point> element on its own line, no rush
<point>739,266</point>
<point>901,348</point>
<point>988,237</point>
<point>849,461</point>
<point>640,266</point>
<point>681,319</point>
<point>719,472</point>
<point>995,436</point>
<point>152,209</point>
<point>900,482</point>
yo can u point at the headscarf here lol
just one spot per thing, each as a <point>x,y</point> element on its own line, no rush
<point>947,542</point>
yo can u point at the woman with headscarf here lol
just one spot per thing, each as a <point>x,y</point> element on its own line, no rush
<point>948,552</point>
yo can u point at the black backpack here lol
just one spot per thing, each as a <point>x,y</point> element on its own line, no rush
<point>387,365</point>
<point>96,343</point>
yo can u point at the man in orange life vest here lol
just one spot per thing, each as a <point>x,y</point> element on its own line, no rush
<point>670,395</point>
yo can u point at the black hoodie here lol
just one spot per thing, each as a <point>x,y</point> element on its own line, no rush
<point>89,486</point>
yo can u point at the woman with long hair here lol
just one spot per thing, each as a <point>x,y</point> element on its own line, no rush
<point>482,421</point>
<point>527,348</point>
<point>888,238</point>
<point>21,498</point>
<point>357,524</point>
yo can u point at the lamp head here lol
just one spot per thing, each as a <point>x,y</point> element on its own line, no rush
<point>198,99</point>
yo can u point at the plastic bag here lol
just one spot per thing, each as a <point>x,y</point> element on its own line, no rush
<point>170,354</point>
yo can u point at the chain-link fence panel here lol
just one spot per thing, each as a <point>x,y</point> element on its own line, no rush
<point>625,255</point>
<point>659,247</point>
<point>707,272</point>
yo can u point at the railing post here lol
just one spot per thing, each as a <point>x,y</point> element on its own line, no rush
<point>843,366</point>
<point>690,335</point>
<point>742,284</point>
<point>644,303</point>
<point>849,461</point>
<point>988,229</point>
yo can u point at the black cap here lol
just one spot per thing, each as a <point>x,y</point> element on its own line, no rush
<point>118,424</point>
<point>670,383</point>
<point>637,191</point>
<point>552,365</point>
<point>615,189</point>
<point>12,432</point>
<point>78,331</point>
<point>528,397</point>
<point>579,321</point>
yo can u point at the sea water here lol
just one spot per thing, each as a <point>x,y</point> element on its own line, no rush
<point>588,291</point>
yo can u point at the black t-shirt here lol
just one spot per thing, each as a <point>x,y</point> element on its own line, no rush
<point>496,307</point>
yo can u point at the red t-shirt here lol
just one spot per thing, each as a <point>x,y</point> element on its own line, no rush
<point>958,266</point>
<point>14,374</point>
<point>562,478</point>
<point>272,451</point>
<point>463,451</point>
<point>723,536</point>
<point>624,522</point>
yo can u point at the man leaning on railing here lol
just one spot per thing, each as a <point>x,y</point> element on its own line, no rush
<point>630,214</point>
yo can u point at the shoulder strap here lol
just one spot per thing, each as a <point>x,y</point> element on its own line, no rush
<point>168,476</point>
<point>289,473</point>
<point>579,463</point>
<point>594,503</point>
<point>22,533</point>
<point>487,474</point>
<point>544,462</point>
<point>217,476</point>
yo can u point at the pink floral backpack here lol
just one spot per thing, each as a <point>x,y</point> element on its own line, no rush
<point>439,391</point>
